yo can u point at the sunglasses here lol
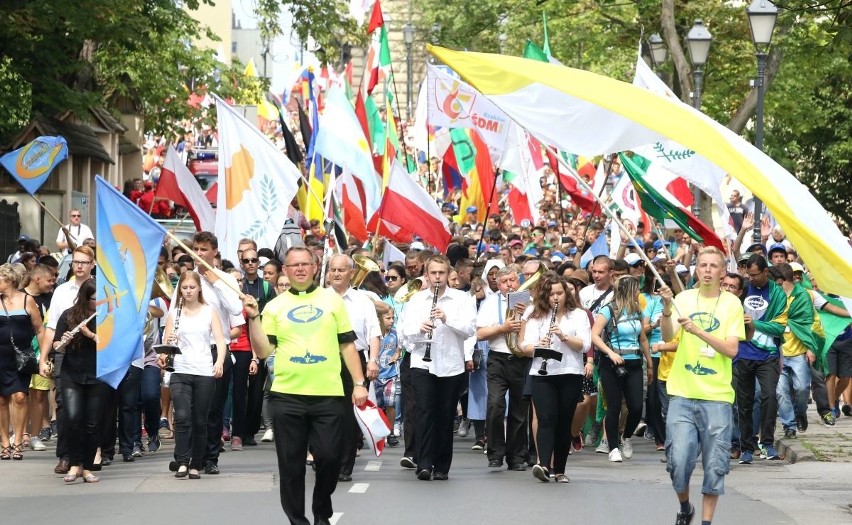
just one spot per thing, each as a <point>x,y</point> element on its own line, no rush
<point>76,215</point>
<point>392,277</point>
<point>253,260</point>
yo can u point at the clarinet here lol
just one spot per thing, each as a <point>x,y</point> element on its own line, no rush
<point>76,330</point>
<point>427,357</point>
<point>542,371</point>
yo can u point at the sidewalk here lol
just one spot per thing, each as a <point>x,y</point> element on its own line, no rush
<point>820,442</point>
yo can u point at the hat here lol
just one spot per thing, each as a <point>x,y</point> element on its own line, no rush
<point>416,245</point>
<point>797,267</point>
<point>580,277</point>
<point>551,224</point>
<point>263,260</point>
<point>632,259</point>
<point>532,251</point>
<point>515,242</point>
<point>471,209</point>
<point>759,246</point>
<point>681,269</point>
<point>23,237</point>
<point>658,244</point>
<point>637,243</point>
<point>557,257</point>
<point>777,247</point>
<point>572,250</point>
<point>744,257</point>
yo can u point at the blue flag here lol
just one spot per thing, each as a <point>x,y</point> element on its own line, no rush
<point>129,244</point>
<point>32,164</point>
<point>599,247</point>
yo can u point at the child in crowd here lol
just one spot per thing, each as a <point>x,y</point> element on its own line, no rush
<point>386,390</point>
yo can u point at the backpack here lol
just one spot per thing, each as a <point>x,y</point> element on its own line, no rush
<point>290,236</point>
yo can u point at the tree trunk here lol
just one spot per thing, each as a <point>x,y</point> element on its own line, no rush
<point>682,67</point>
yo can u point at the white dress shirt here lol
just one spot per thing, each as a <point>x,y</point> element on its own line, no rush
<point>224,300</point>
<point>63,299</point>
<point>362,315</point>
<point>575,324</point>
<point>448,350</point>
<point>492,312</point>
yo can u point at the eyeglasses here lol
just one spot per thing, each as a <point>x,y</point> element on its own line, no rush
<point>81,263</point>
<point>391,277</point>
<point>299,265</point>
<point>76,215</point>
<point>253,260</point>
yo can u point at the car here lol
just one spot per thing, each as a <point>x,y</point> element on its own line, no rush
<point>204,166</point>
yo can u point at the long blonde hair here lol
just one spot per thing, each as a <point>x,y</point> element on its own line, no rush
<point>626,297</point>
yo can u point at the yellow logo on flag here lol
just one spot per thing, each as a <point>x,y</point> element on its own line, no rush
<point>239,177</point>
<point>455,100</point>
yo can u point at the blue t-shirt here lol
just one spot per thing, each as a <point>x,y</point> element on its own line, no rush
<point>761,346</point>
<point>388,370</point>
<point>653,312</point>
<point>625,336</point>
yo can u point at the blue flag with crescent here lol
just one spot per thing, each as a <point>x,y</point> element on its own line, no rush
<point>129,243</point>
<point>32,164</point>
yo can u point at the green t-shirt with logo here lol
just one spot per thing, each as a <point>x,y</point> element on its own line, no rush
<point>698,373</point>
<point>307,325</point>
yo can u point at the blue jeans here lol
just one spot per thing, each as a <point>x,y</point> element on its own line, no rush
<point>793,388</point>
<point>694,423</point>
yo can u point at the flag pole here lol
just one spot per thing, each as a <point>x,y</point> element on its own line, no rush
<point>607,173</point>
<point>201,261</point>
<point>479,247</point>
<point>71,245</point>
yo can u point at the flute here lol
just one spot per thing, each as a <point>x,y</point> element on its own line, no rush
<point>427,357</point>
<point>542,371</point>
<point>75,331</point>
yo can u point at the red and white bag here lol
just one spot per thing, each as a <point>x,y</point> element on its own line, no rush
<point>374,425</point>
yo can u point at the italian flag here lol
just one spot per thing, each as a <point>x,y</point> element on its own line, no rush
<point>378,56</point>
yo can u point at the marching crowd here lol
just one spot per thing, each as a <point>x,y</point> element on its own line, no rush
<point>508,338</point>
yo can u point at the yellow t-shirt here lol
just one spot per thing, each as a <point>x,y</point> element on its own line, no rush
<point>698,373</point>
<point>307,358</point>
<point>665,366</point>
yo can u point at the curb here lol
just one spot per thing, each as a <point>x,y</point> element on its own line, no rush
<point>793,452</point>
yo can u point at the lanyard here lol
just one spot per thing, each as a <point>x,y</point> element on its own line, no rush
<point>712,314</point>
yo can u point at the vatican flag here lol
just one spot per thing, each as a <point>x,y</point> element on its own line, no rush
<point>256,184</point>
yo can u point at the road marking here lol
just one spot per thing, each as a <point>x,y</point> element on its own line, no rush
<point>373,466</point>
<point>334,517</point>
<point>359,488</point>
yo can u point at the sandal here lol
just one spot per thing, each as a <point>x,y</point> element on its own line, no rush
<point>6,453</point>
<point>71,478</point>
<point>17,453</point>
<point>90,478</point>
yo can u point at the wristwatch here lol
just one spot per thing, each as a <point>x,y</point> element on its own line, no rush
<point>361,383</point>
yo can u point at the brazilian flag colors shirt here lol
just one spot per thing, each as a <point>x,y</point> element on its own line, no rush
<point>309,327</point>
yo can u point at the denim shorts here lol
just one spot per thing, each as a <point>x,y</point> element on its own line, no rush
<point>694,423</point>
<point>386,392</point>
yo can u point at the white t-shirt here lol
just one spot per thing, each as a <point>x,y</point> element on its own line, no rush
<point>79,233</point>
<point>590,294</point>
<point>195,335</point>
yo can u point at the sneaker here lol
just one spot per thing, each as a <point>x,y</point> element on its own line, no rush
<point>685,518</point>
<point>54,429</point>
<point>393,441</point>
<point>562,478</point>
<point>790,433</point>
<point>603,448</point>
<point>44,434</point>
<point>36,444</point>
<point>540,473</point>
<point>464,427</point>
<point>211,468</point>
<point>576,444</point>
<point>640,429</point>
<point>226,434</point>
<point>746,457</point>
<point>847,410</point>
<point>268,436</point>
<point>649,435</point>
<point>137,451</point>
<point>828,419</point>
<point>153,444</point>
<point>407,462</point>
<point>236,443</point>
<point>164,430</point>
<point>771,453</point>
<point>802,424</point>
<point>626,448</point>
<point>615,456</point>
<point>594,434</point>
<point>479,445</point>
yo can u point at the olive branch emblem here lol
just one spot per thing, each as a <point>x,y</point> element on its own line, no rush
<point>268,198</point>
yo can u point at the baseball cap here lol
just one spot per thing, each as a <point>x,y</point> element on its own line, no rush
<point>416,245</point>
<point>531,251</point>
<point>557,257</point>
<point>777,247</point>
<point>515,242</point>
<point>658,244</point>
<point>632,259</point>
<point>681,269</point>
<point>23,237</point>
<point>637,243</point>
<point>471,209</point>
<point>797,267</point>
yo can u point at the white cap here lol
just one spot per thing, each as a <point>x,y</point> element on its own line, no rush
<point>416,245</point>
<point>263,261</point>
<point>681,269</point>
<point>632,258</point>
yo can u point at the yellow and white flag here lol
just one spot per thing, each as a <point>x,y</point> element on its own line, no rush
<point>256,184</point>
<point>590,114</point>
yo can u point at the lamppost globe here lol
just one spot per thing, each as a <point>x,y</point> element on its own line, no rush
<point>659,51</point>
<point>762,15</point>
<point>408,33</point>
<point>698,41</point>
<point>501,41</point>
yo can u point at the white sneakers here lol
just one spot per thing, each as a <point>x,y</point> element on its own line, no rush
<point>268,436</point>
<point>603,448</point>
<point>615,456</point>
<point>627,448</point>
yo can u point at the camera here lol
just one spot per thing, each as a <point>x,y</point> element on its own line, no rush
<point>620,370</point>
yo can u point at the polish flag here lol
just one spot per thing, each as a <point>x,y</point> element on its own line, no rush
<point>350,194</point>
<point>179,186</point>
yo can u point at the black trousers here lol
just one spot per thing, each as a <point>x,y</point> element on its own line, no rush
<point>62,440</point>
<point>436,399</point>
<point>254,401</point>
<point>109,425</point>
<point>617,389</point>
<point>506,373</point>
<point>84,407</point>
<point>299,422</point>
<point>351,431</point>
<point>555,398</point>
<point>819,392</point>
<point>239,399</point>
<point>746,374</point>
<point>192,396</point>
<point>409,408</point>
<point>654,408</point>
<point>216,416</point>
<point>129,392</point>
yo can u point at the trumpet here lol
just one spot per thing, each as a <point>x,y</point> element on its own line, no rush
<point>168,349</point>
<point>547,349</point>
<point>427,357</point>
<point>512,337</point>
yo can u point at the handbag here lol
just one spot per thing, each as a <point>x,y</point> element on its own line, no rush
<point>25,360</point>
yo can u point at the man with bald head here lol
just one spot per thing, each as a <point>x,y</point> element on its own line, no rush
<point>365,324</point>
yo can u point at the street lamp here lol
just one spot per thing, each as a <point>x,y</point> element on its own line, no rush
<point>698,42</point>
<point>659,52</point>
<point>762,15</point>
<point>408,38</point>
<point>501,42</point>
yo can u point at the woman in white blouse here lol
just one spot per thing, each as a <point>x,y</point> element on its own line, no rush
<point>555,395</point>
<point>192,383</point>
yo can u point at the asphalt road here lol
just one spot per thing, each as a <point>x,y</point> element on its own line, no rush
<point>636,492</point>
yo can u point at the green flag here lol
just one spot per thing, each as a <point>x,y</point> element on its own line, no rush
<point>546,49</point>
<point>533,52</point>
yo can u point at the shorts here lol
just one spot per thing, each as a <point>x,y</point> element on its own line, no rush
<point>694,426</point>
<point>385,392</point>
<point>839,358</point>
<point>590,388</point>
<point>38,382</point>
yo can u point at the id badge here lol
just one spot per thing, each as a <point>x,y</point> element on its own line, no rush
<point>707,351</point>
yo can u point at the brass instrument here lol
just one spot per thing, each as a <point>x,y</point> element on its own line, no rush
<point>169,349</point>
<point>407,292</point>
<point>547,351</point>
<point>363,266</point>
<point>427,357</point>
<point>512,337</point>
<point>162,287</point>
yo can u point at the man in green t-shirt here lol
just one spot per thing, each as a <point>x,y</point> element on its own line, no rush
<point>709,327</point>
<point>309,330</point>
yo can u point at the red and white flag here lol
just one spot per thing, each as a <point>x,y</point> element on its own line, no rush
<point>179,186</point>
<point>350,194</point>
